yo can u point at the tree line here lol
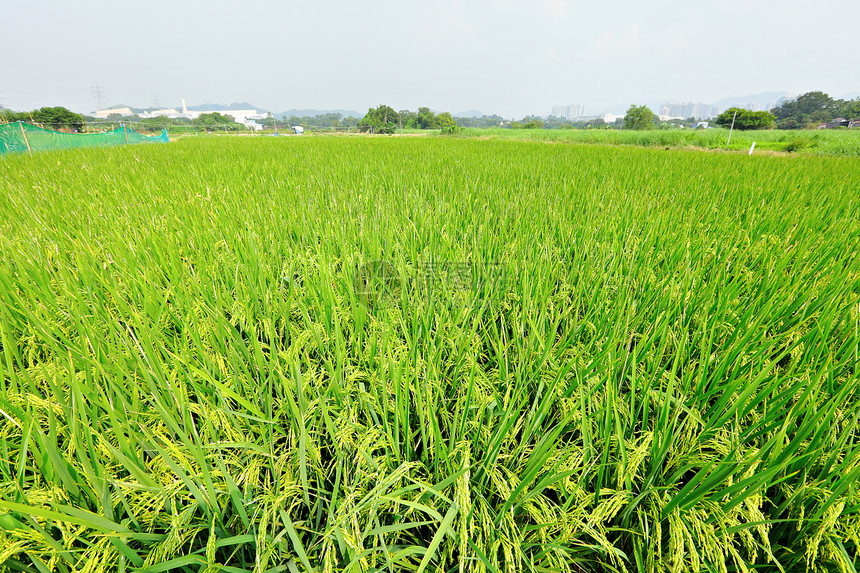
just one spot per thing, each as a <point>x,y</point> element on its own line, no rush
<point>56,118</point>
<point>813,108</point>
<point>385,120</point>
<point>62,119</point>
<point>806,111</point>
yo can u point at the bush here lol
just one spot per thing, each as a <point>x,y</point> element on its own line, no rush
<point>745,119</point>
<point>797,145</point>
<point>446,122</point>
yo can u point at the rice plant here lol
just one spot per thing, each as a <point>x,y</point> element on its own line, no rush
<point>362,354</point>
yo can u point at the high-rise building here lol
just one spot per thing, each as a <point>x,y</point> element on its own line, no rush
<point>568,111</point>
<point>689,109</point>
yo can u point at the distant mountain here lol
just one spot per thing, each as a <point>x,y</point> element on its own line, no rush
<point>469,113</point>
<point>314,112</point>
<point>222,107</point>
<point>852,95</point>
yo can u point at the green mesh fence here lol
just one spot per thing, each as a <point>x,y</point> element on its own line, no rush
<point>21,137</point>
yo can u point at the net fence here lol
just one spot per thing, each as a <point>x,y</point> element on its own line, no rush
<point>22,137</point>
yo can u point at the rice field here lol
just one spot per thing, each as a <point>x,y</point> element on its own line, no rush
<point>429,354</point>
<point>828,142</point>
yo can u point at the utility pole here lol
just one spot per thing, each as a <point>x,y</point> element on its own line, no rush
<point>732,128</point>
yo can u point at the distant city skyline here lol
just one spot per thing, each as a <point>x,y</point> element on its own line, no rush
<point>569,111</point>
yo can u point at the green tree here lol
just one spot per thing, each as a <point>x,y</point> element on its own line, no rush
<point>850,109</point>
<point>155,123</point>
<point>408,119</point>
<point>639,117</point>
<point>809,108</point>
<point>447,123</point>
<point>50,117</point>
<point>426,119</point>
<point>528,122</point>
<point>532,122</point>
<point>383,119</point>
<point>483,121</point>
<point>217,122</point>
<point>746,119</point>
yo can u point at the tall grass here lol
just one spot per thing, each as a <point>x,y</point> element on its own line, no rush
<point>659,374</point>
<point>845,143</point>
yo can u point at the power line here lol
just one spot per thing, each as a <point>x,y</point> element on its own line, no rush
<point>99,94</point>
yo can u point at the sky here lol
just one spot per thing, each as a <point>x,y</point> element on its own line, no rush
<point>506,57</point>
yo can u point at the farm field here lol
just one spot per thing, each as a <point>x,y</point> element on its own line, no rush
<point>428,354</point>
<point>831,142</point>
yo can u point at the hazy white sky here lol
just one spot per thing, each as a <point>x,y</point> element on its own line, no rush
<point>498,56</point>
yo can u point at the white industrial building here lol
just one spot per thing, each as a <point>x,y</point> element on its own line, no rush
<point>106,113</point>
<point>243,116</point>
<point>159,112</point>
